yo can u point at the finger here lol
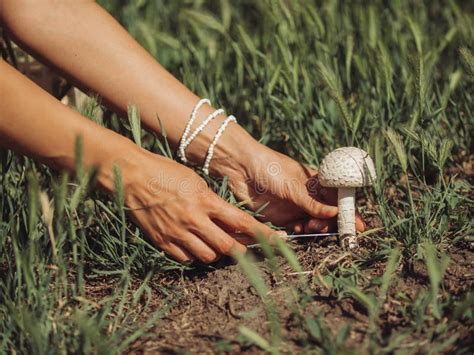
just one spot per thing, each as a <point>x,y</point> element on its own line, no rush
<point>328,195</point>
<point>296,227</point>
<point>177,253</point>
<point>333,225</point>
<point>219,240</point>
<point>315,225</point>
<point>236,220</point>
<point>325,226</point>
<point>360,224</point>
<point>243,238</point>
<point>198,248</point>
<point>314,207</point>
<point>321,193</point>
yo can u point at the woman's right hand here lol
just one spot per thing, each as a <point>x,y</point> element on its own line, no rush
<point>180,214</point>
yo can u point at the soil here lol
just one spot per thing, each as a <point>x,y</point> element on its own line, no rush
<point>210,303</point>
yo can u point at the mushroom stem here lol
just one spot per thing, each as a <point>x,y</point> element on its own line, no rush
<point>346,217</point>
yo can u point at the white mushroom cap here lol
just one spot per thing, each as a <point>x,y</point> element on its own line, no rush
<point>347,167</point>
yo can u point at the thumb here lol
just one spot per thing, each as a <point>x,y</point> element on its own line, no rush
<point>316,208</point>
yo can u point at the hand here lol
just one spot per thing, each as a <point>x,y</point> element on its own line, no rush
<point>180,214</point>
<point>295,198</point>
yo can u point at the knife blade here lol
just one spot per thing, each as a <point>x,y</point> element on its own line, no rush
<point>295,236</point>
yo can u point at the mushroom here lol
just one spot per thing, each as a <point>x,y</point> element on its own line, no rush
<point>346,169</point>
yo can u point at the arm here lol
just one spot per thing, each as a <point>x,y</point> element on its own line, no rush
<point>36,124</point>
<point>83,41</point>
<point>170,202</point>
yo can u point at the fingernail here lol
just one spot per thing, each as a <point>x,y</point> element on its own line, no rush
<point>331,210</point>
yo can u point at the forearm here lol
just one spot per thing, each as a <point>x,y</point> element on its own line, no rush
<point>83,41</point>
<point>36,124</point>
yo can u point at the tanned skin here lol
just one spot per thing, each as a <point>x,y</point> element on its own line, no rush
<point>169,201</point>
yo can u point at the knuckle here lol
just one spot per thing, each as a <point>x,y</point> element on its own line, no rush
<point>226,246</point>
<point>194,220</point>
<point>213,202</point>
<point>244,220</point>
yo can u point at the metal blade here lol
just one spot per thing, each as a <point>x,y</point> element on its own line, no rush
<point>294,236</point>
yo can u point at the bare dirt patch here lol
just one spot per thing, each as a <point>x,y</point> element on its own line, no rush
<point>211,303</point>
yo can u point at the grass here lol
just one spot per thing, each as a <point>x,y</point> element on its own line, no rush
<point>304,77</point>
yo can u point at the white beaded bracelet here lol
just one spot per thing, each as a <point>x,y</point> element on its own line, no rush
<point>185,141</point>
<point>210,151</point>
<point>203,125</point>
<point>183,144</point>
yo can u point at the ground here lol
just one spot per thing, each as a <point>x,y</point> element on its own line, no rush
<point>303,77</point>
<point>212,304</point>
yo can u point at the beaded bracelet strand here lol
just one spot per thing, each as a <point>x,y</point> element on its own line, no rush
<point>182,144</point>
<point>210,151</point>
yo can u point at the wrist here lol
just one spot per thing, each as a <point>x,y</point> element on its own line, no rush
<point>127,159</point>
<point>232,152</point>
